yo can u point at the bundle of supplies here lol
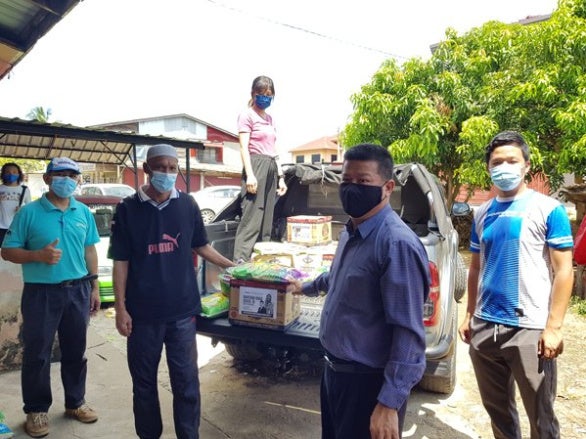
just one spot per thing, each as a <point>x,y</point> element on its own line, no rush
<point>262,295</point>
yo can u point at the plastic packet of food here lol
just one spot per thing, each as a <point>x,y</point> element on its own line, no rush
<point>5,431</point>
<point>225,279</point>
<point>214,304</point>
<point>265,272</point>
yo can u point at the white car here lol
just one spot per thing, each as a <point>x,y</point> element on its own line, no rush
<point>212,199</point>
<point>110,189</point>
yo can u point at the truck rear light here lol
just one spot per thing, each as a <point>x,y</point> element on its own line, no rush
<point>431,307</point>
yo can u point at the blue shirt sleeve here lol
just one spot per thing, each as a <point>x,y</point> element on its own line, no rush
<point>320,283</point>
<point>404,287</point>
<point>559,231</point>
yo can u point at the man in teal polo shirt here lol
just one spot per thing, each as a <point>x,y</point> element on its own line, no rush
<point>54,239</point>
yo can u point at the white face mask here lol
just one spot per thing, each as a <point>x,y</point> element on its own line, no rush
<point>507,176</point>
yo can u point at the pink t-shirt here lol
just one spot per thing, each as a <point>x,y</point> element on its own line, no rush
<point>262,132</point>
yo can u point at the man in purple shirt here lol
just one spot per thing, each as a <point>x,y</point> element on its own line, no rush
<point>372,321</point>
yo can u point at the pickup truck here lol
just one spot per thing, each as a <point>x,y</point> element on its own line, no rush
<point>313,190</point>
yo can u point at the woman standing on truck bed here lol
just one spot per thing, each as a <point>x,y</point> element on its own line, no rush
<point>261,175</point>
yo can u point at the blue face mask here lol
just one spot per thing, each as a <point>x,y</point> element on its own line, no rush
<point>162,181</point>
<point>263,102</point>
<point>10,178</point>
<point>506,176</point>
<point>63,187</point>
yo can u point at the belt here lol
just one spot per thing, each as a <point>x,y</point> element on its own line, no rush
<point>65,283</point>
<point>345,366</point>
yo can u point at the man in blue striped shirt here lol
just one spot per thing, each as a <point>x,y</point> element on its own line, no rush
<point>372,321</point>
<point>519,285</point>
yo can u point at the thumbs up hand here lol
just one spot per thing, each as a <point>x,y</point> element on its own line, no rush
<point>50,254</point>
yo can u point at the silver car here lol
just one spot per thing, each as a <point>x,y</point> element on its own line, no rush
<point>212,199</point>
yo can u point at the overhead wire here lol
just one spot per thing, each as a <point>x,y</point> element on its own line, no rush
<point>307,31</point>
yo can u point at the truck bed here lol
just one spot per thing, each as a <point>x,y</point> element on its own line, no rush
<point>303,333</point>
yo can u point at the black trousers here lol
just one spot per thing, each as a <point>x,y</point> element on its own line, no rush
<point>347,402</point>
<point>144,349</point>
<point>47,310</point>
<point>256,223</point>
<point>2,235</point>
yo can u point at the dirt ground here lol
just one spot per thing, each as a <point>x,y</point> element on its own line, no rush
<point>287,404</point>
<point>286,398</point>
<point>571,392</point>
<point>464,408</point>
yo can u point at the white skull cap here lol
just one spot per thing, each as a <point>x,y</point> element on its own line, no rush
<point>161,149</point>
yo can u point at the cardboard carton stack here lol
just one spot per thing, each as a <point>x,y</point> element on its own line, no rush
<point>272,305</point>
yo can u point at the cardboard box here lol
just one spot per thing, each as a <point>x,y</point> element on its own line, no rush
<point>309,230</point>
<point>314,258</point>
<point>263,304</point>
<point>280,253</point>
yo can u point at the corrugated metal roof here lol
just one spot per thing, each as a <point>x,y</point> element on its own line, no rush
<point>42,141</point>
<point>23,22</point>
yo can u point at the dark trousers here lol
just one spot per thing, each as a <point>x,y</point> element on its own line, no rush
<point>2,235</point>
<point>144,347</point>
<point>258,209</point>
<point>347,402</point>
<point>47,310</point>
<point>502,355</point>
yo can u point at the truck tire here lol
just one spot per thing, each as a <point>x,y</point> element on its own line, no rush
<point>460,278</point>
<point>440,376</point>
<point>243,351</point>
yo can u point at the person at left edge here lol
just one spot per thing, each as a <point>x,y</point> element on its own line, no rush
<point>54,239</point>
<point>13,194</point>
<point>154,233</point>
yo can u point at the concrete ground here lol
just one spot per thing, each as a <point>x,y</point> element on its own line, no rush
<point>109,391</point>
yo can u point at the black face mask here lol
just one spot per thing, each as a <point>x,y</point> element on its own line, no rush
<point>359,199</point>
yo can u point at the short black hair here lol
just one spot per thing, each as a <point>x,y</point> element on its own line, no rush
<point>372,152</point>
<point>507,138</point>
<point>5,167</point>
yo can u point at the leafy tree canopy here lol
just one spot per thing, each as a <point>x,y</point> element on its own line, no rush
<point>40,114</point>
<point>443,111</point>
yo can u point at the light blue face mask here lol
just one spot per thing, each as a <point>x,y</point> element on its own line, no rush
<point>162,181</point>
<point>506,176</point>
<point>63,187</point>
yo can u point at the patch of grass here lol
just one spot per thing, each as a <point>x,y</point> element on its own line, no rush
<point>578,305</point>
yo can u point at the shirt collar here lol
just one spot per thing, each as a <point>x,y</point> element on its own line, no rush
<point>366,227</point>
<point>143,197</point>
<point>47,205</point>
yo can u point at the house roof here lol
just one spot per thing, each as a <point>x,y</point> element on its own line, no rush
<point>23,23</point>
<point>326,142</point>
<point>169,116</point>
<point>42,141</point>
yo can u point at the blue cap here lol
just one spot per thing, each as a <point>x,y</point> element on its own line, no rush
<point>62,164</point>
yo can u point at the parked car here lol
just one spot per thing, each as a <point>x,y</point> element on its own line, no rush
<point>313,190</point>
<point>103,208</point>
<point>213,199</point>
<point>107,189</point>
